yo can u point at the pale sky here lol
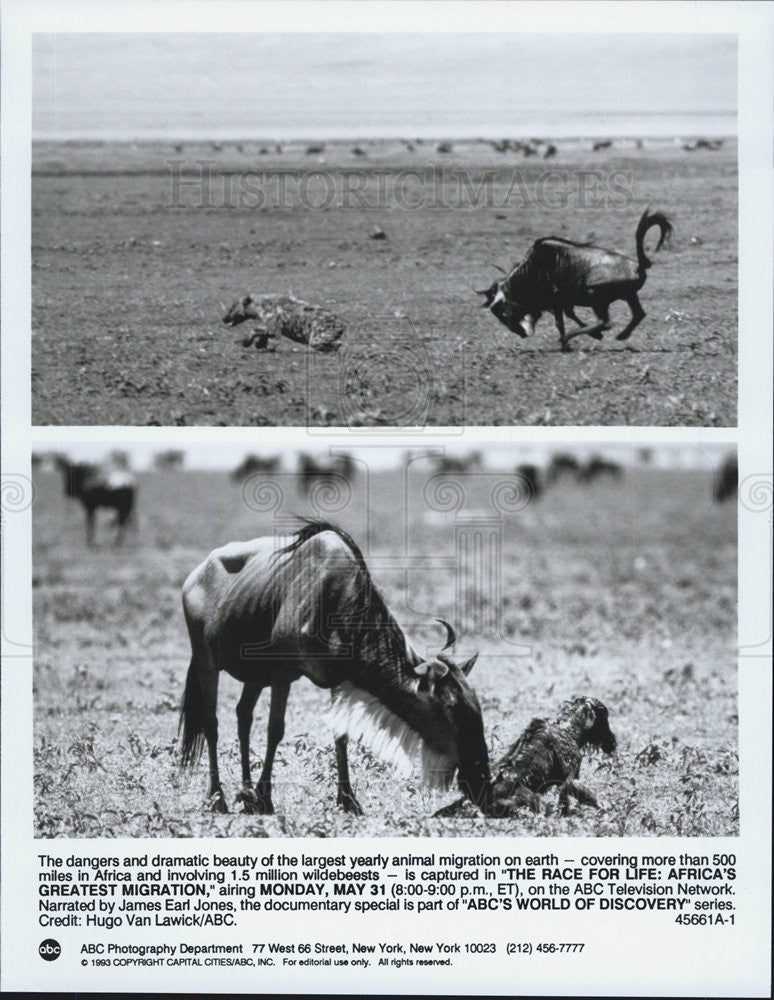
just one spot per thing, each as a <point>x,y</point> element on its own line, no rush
<point>496,456</point>
<point>286,85</point>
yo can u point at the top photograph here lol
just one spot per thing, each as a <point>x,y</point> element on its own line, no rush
<point>331,230</point>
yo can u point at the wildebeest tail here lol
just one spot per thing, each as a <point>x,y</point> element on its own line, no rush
<point>648,220</point>
<point>191,720</point>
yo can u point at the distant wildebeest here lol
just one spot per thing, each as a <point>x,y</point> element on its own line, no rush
<point>458,463</point>
<point>269,613</point>
<point>530,476</point>
<point>562,465</point>
<point>546,755</point>
<point>711,144</point>
<point>286,316</point>
<point>727,479</point>
<point>340,467</point>
<point>598,466</point>
<point>602,144</point>
<point>251,464</point>
<point>557,275</point>
<point>95,487</point>
<point>172,458</point>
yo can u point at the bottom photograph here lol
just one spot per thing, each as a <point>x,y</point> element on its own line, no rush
<point>500,640</point>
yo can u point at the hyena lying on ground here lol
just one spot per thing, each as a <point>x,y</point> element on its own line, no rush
<point>286,316</point>
<point>548,753</point>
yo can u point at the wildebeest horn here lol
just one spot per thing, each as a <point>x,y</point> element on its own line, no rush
<point>451,635</point>
<point>481,291</point>
<point>468,666</point>
<point>498,268</point>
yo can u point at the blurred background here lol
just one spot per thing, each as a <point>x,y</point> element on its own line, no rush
<point>608,571</point>
<point>354,85</point>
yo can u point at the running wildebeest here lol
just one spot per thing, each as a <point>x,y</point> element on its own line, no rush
<point>727,479</point>
<point>269,613</point>
<point>286,316</point>
<point>557,275</point>
<point>546,755</point>
<point>96,487</point>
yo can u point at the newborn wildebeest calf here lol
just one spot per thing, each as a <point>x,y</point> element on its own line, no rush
<point>557,275</point>
<point>548,753</point>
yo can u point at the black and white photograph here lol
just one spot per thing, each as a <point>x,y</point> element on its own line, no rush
<point>386,529</point>
<point>349,229</point>
<point>386,643</point>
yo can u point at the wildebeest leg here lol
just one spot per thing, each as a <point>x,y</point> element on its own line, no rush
<point>638,315</point>
<point>122,517</point>
<point>345,797</point>
<point>595,329</point>
<point>244,712</point>
<point>208,679</point>
<point>579,792</point>
<point>89,526</point>
<point>559,319</point>
<point>279,699</point>
<point>569,311</point>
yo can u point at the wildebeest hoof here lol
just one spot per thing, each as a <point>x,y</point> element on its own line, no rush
<point>217,802</point>
<point>566,346</point>
<point>597,335</point>
<point>249,800</point>
<point>453,809</point>
<point>624,335</point>
<point>261,798</point>
<point>349,803</point>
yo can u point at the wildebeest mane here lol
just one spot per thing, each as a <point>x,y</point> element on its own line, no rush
<point>361,613</point>
<point>562,239</point>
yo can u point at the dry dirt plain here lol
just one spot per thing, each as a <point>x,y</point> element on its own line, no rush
<point>136,249</point>
<point>624,590</point>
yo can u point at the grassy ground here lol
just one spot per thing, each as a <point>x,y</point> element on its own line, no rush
<point>134,259</point>
<point>625,591</point>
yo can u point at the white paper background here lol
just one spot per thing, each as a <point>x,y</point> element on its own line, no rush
<point>646,956</point>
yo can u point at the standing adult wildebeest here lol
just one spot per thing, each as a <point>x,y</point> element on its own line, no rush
<point>726,483</point>
<point>340,467</point>
<point>558,274</point>
<point>269,613</point>
<point>598,466</point>
<point>252,464</point>
<point>95,486</point>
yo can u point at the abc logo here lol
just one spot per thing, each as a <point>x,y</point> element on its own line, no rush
<point>49,950</point>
